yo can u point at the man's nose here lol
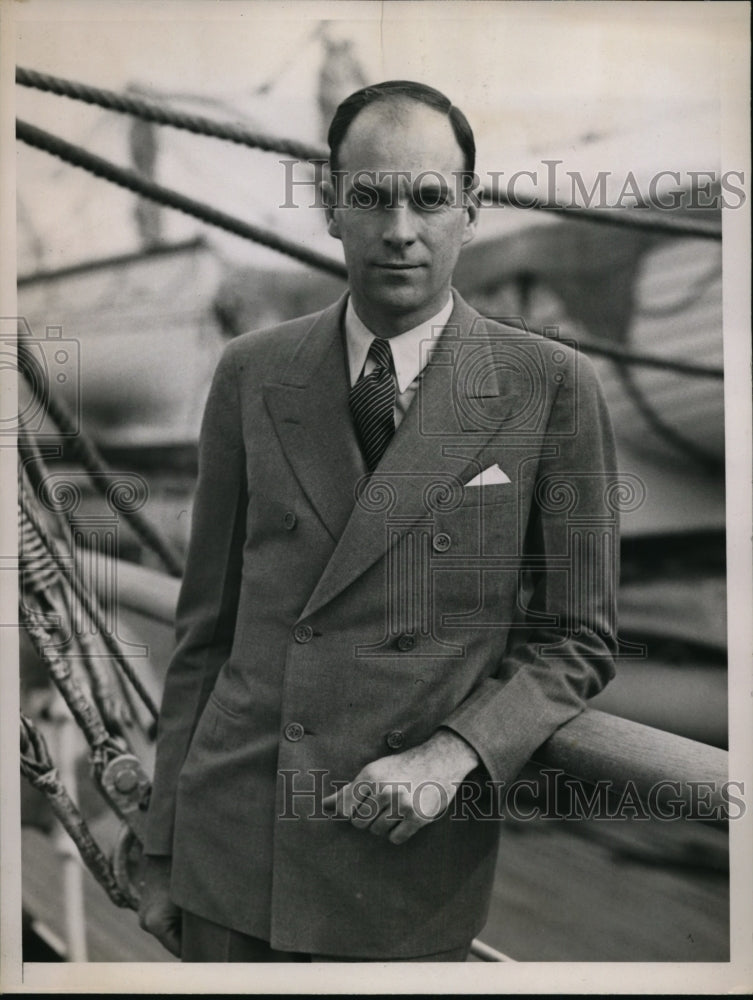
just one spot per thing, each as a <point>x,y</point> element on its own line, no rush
<point>400,226</point>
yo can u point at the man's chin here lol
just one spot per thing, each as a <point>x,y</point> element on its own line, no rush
<point>399,300</point>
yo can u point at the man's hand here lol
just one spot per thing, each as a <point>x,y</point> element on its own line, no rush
<point>395,796</point>
<point>157,912</point>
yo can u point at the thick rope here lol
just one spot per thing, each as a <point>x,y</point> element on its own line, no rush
<point>79,157</point>
<point>89,603</point>
<point>36,471</point>
<point>117,175</point>
<point>37,767</point>
<point>150,111</point>
<point>622,357</point>
<point>628,218</point>
<point>198,125</point>
<point>40,572</point>
<point>86,715</point>
<point>117,713</point>
<point>101,476</point>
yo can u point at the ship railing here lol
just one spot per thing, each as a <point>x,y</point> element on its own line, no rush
<point>630,758</point>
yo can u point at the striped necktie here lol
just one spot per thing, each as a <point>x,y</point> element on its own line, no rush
<point>372,402</point>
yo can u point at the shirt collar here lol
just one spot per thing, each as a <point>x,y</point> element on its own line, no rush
<point>406,347</point>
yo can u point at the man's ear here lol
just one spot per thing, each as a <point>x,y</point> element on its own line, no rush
<point>327,191</point>
<point>472,208</point>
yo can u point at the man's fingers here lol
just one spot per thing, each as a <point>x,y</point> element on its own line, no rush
<point>167,933</point>
<point>404,831</point>
<point>386,820</point>
<point>173,942</point>
<point>340,803</point>
<point>367,804</point>
<point>382,808</point>
<point>169,937</point>
<point>355,801</point>
<point>161,918</point>
<point>330,803</point>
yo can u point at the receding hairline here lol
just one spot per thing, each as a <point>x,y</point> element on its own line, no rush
<point>396,108</point>
<point>396,95</point>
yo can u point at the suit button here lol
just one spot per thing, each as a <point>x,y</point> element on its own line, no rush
<point>395,739</point>
<point>441,542</point>
<point>290,520</point>
<point>303,633</point>
<point>293,732</point>
<point>406,642</point>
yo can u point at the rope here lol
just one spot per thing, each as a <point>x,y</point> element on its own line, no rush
<point>150,111</point>
<point>34,471</point>
<point>32,461</point>
<point>198,125</point>
<point>40,573</point>
<point>37,767</point>
<point>89,603</point>
<point>43,579</point>
<point>627,218</point>
<point>109,171</point>
<point>86,715</point>
<point>79,157</point>
<point>623,357</point>
<point>125,856</point>
<point>85,451</point>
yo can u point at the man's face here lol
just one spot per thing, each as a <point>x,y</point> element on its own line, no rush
<point>400,212</point>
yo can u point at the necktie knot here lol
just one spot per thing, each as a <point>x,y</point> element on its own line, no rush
<point>380,353</point>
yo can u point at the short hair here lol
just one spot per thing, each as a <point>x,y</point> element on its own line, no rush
<point>352,106</point>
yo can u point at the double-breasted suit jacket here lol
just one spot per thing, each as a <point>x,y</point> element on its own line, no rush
<point>327,619</point>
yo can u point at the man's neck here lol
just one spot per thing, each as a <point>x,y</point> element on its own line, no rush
<point>392,324</point>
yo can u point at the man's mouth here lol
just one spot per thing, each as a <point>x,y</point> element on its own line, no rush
<point>397,266</point>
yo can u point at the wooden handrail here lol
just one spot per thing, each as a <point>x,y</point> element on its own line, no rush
<point>594,746</point>
<point>598,747</point>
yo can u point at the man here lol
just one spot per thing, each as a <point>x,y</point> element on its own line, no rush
<point>395,589</point>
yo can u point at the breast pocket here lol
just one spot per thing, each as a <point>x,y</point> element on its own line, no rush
<point>486,496</point>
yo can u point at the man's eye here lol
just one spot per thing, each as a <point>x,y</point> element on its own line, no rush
<point>362,196</point>
<point>430,198</point>
<point>366,196</point>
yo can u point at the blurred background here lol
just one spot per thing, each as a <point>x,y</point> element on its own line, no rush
<point>145,299</point>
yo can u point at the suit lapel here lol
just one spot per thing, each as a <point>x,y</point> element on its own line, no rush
<point>463,397</point>
<point>309,408</point>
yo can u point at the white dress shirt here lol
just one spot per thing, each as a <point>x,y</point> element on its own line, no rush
<point>410,352</point>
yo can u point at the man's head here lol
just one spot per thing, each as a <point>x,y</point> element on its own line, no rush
<point>401,90</point>
<point>402,160</point>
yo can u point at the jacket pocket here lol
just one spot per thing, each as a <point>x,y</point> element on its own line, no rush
<point>222,708</point>
<point>486,496</point>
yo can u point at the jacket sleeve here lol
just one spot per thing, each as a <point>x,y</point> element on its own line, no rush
<point>208,601</point>
<point>563,650</point>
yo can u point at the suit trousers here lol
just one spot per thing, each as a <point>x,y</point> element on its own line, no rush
<point>205,941</point>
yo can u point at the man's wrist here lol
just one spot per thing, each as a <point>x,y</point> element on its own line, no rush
<point>452,746</point>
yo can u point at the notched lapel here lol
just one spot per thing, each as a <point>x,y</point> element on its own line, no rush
<point>309,408</point>
<point>463,399</point>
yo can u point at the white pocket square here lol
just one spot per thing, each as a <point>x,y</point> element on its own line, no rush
<point>489,476</point>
